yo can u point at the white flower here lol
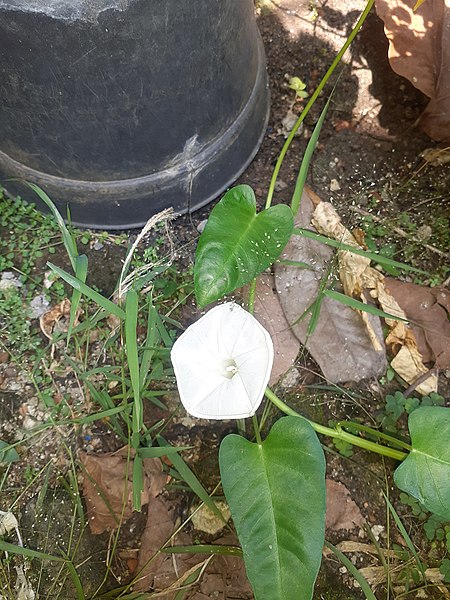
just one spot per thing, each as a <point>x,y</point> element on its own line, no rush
<point>222,364</point>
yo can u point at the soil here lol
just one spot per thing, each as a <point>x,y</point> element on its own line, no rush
<point>368,157</point>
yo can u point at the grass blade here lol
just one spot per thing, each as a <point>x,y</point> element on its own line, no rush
<point>131,348</point>
<point>155,452</point>
<point>358,305</point>
<point>378,258</point>
<point>68,239</point>
<point>204,549</point>
<point>109,306</point>
<point>81,268</point>
<point>13,549</point>
<point>192,481</point>
<point>303,172</point>
<point>353,570</point>
<point>151,341</point>
<point>138,482</point>
<point>406,537</point>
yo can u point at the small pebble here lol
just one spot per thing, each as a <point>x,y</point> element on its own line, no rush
<point>334,185</point>
<point>201,225</point>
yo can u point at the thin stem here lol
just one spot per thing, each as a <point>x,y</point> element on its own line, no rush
<point>340,434</point>
<point>371,431</point>
<point>313,98</point>
<point>251,296</point>
<point>256,428</point>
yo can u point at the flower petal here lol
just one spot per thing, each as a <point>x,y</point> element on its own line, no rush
<point>222,364</point>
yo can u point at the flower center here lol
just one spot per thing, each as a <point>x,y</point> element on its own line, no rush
<point>230,368</point>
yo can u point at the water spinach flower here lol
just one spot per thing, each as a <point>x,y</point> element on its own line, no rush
<point>222,364</point>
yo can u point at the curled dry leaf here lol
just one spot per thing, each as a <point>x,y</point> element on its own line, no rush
<point>419,49</point>
<point>358,279</point>
<point>57,319</point>
<point>340,343</point>
<point>107,487</point>
<point>8,522</point>
<point>269,313</point>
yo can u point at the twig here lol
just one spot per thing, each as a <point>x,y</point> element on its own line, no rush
<point>419,380</point>
<point>401,232</point>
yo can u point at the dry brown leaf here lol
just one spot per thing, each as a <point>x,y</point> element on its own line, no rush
<point>57,318</point>
<point>225,577</point>
<point>340,344</point>
<point>107,487</point>
<point>342,512</point>
<point>419,49</point>
<point>355,271</point>
<point>157,571</point>
<point>158,529</point>
<point>270,314</point>
<point>408,364</point>
<point>425,307</point>
<point>357,277</point>
<point>436,156</point>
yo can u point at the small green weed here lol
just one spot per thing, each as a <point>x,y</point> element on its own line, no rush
<point>397,406</point>
<point>343,447</point>
<point>437,532</point>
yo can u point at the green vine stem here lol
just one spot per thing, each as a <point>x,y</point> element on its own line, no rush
<point>338,433</point>
<point>313,98</point>
<point>251,296</point>
<point>378,434</point>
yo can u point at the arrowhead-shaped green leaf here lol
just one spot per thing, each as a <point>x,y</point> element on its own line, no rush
<point>425,472</point>
<point>276,493</point>
<point>238,244</point>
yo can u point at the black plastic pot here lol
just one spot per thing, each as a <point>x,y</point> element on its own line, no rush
<point>120,108</point>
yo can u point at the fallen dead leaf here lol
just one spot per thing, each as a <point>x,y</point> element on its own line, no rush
<point>340,343</point>
<point>269,313</point>
<point>341,511</point>
<point>436,156</point>
<point>419,49</point>
<point>225,577</point>
<point>57,318</point>
<point>359,280</point>
<point>159,572</point>
<point>107,487</point>
<point>427,309</point>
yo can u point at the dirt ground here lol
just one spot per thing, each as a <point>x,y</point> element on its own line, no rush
<point>370,147</point>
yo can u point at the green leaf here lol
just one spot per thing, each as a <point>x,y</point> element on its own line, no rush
<point>276,493</point>
<point>425,472</point>
<point>238,244</point>
<point>8,454</point>
<point>445,569</point>
<point>303,172</point>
